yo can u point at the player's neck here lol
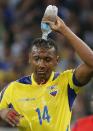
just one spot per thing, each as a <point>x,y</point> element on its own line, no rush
<point>41,80</point>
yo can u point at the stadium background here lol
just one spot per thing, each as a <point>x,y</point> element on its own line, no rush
<point>20,24</point>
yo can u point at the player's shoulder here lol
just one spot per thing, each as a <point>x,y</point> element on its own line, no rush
<point>24,80</point>
<point>13,84</point>
<point>63,75</point>
<point>67,73</point>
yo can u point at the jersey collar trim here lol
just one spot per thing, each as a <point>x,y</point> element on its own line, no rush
<point>35,83</point>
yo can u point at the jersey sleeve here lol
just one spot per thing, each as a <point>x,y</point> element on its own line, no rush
<point>72,82</point>
<point>72,87</point>
<point>5,95</point>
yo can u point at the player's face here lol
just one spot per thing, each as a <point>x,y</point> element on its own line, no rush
<point>43,61</point>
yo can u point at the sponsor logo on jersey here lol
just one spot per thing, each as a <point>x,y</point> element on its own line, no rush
<point>26,99</point>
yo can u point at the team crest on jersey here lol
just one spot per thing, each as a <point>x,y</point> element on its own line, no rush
<point>53,90</point>
<point>53,93</point>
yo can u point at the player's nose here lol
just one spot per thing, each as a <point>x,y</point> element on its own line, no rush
<point>41,63</point>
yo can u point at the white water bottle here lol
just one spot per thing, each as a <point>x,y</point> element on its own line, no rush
<point>51,12</point>
<point>45,30</point>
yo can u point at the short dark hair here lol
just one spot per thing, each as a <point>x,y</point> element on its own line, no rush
<point>47,44</point>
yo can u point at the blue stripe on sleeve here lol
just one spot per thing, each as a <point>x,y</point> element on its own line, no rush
<point>71,96</point>
<point>75,81</point>
<point>25,80</point>
<point>2,92</point>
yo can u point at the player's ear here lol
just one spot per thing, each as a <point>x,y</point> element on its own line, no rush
<point>58,59</point>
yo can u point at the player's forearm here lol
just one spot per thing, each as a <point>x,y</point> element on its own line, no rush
<point>85,53</point>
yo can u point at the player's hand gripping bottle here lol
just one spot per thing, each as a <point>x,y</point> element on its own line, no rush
<point>51,12</point>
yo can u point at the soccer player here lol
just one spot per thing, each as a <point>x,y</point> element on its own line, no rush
<point>43,101</point>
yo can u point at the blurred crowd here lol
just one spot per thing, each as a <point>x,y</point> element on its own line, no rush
<point>20,24</point>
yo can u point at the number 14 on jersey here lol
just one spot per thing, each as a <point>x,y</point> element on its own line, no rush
<point>44,115</point>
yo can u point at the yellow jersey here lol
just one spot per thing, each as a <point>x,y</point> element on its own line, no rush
<point>45,107</point>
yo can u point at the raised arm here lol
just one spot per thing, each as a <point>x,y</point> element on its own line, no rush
<point>84,72</point>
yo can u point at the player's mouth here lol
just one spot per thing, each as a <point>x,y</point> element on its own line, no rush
<point>41,72</point>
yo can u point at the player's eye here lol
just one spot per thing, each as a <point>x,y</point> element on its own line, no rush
<point>47,59</point>
<point>36,58</point>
